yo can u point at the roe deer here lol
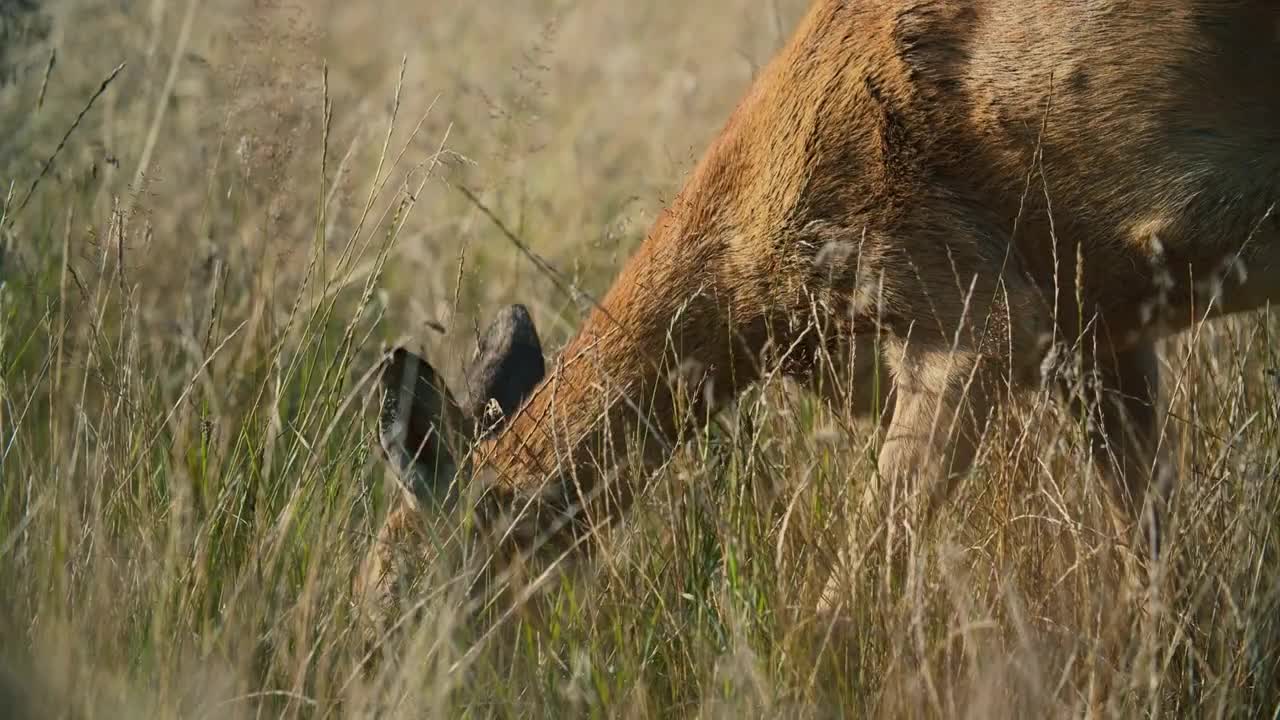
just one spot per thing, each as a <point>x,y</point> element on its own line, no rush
<point>974,183</point>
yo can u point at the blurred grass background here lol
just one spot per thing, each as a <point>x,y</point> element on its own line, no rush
<point>192,291</point>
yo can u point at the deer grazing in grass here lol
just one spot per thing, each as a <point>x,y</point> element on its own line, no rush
<point>973,183</point>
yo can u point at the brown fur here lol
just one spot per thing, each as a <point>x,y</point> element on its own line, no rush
<point>930,170</point>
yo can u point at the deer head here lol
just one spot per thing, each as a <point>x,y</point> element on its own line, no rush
<point>424,433</point>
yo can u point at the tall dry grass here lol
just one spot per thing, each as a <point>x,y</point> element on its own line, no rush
<point>193,293</point>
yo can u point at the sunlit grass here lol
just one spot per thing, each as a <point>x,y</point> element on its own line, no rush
<point>188,482</point>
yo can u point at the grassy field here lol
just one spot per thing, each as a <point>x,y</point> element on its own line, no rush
<point>196,280</point>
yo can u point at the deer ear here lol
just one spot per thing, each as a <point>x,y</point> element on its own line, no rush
<point>421,430</point>
<point>507,366</point>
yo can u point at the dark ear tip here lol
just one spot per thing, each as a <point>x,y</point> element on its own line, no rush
<point>396,359</point>
<point>520,314</point>
<point>513,324</point>
<point>403,371</point>
<point>393,354</point>
<point>391,364</point>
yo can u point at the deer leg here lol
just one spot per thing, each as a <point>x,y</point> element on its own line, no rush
<point>423,434</point>
<point>857,385</point>
<point>948,378</point>
<point>1120,414</point>
<point>940,412</point>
